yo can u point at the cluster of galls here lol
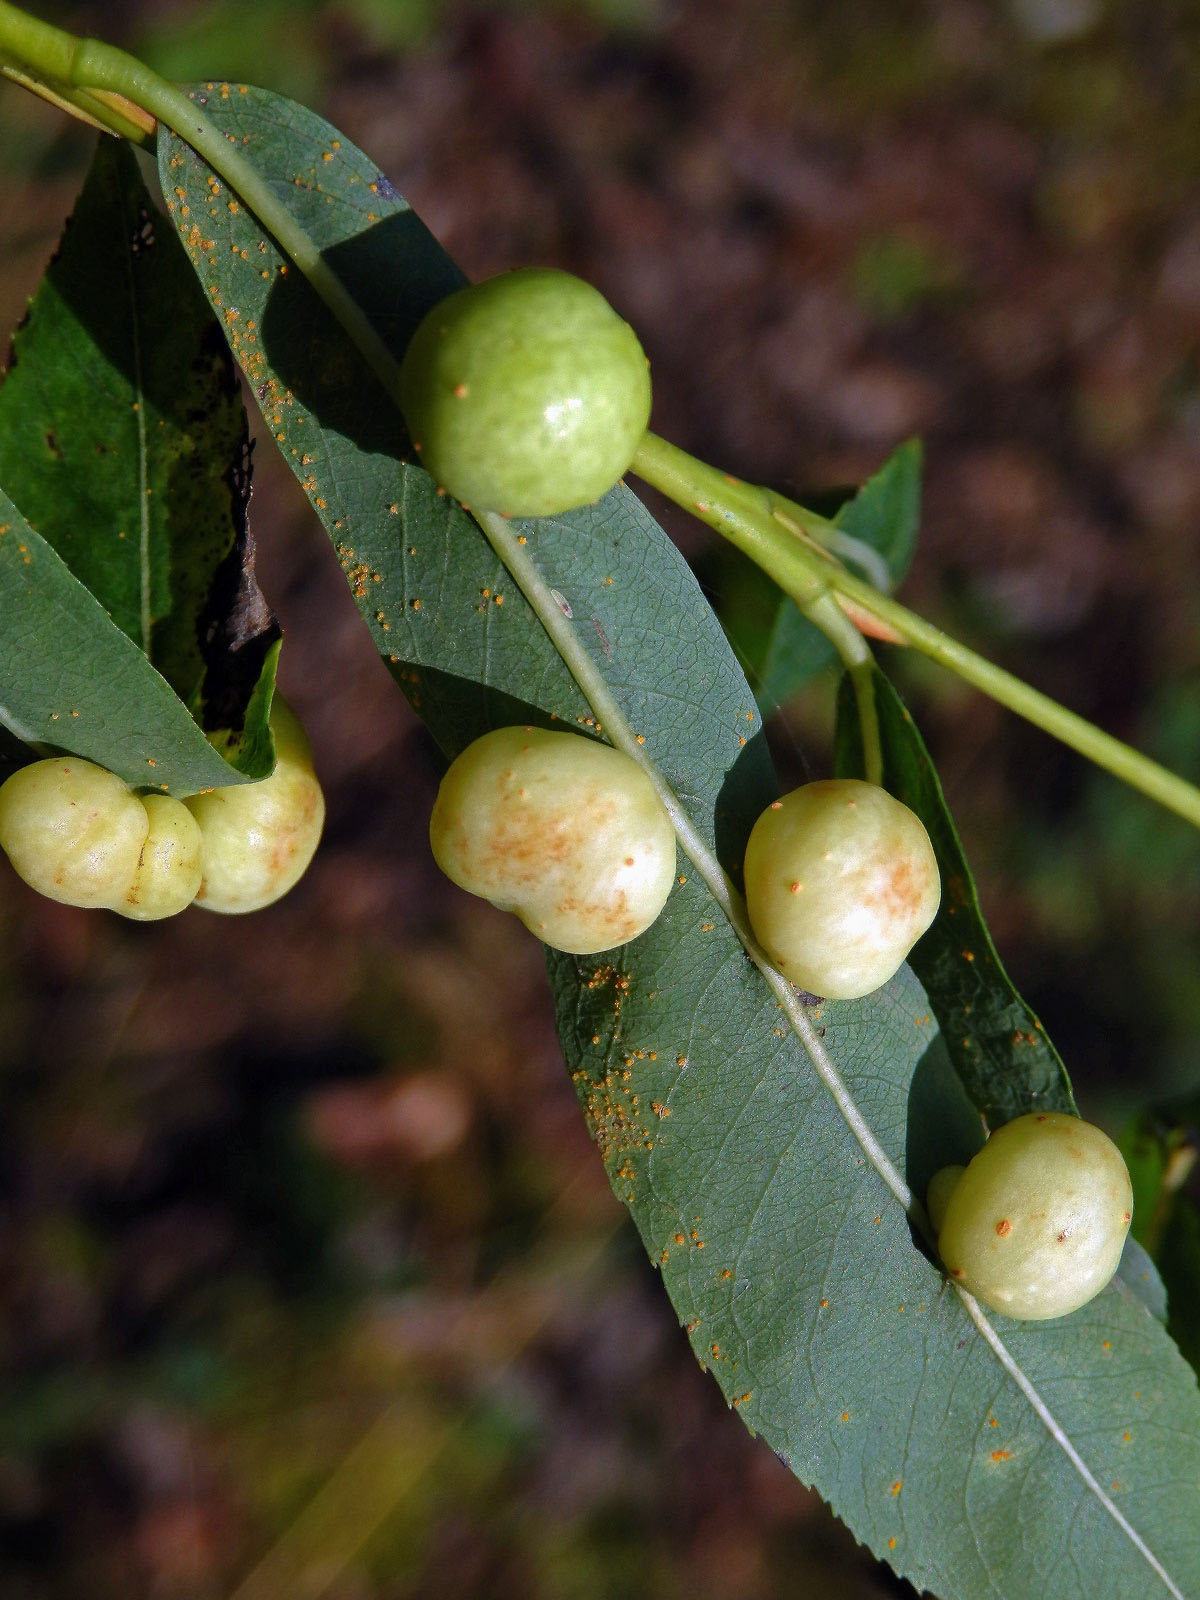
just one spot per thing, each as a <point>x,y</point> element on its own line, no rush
<point>80,835</point>
<point>571,835</point>
<point>528,395</point>
<point>841,881</point>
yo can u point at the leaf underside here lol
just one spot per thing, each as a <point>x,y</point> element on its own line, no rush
<point>785,1255</point>
<point>124,441</point>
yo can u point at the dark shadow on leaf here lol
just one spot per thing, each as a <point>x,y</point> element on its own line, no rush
<point>943,1127</point>
<point>461,709</point>
<point>738,803</point>
<point>13,753</point>
<point>312,353</point>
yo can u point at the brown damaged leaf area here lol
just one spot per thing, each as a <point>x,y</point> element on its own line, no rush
<point>613,1111</point>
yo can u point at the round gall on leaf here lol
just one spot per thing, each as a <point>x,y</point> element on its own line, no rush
<point>567,833</point>
<point>72,830</point>
<point>260,837</point>
<point>526,394</point>
<point>170,865</point>
<point>1036,1224</point>
<point>841,882</point>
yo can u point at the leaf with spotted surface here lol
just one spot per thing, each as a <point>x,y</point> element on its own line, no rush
<point>784,1249</point>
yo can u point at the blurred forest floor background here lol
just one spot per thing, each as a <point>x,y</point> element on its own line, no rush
<point>310,1281</point>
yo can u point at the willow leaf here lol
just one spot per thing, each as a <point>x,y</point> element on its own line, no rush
<point>1009,1460</point>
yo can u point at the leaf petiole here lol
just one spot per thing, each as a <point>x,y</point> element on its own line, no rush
<point>779,536</point>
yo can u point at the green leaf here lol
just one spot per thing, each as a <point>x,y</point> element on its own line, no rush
<point>786,1254</point>
<point>1000,1049</point>
<point>73,681</point>
<point>1138,1270</point>
<point>777,648</point>
<point>886,512</point>
<point>124,440</point>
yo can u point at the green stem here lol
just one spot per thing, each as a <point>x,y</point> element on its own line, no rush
<point>740,512</point>
<point>746,515</point>
<point>859,663</point>
<point>1135,769</point>
<point>41,58</point>
<point>78,68</point>
<point>776,534</point>
<point>38,46</point>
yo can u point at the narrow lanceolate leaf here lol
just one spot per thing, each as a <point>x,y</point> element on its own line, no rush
<point>778,649</point>
<point>123,439</point>
<point>71,680</point>
<point>1000,1049</point>
<point>1008,1460</point>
